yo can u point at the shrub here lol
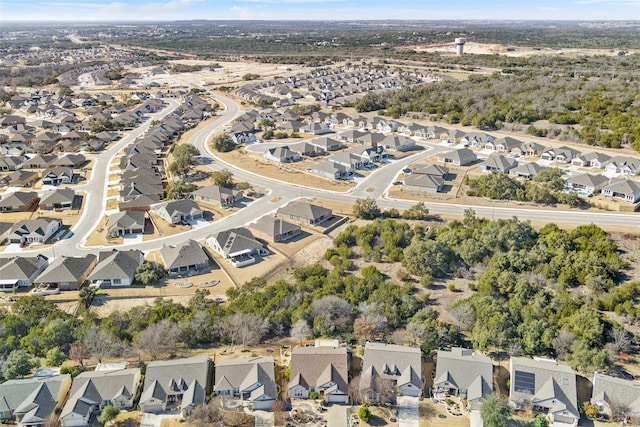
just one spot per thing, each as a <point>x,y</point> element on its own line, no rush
<point>364,413</point>
<point>314,395</point>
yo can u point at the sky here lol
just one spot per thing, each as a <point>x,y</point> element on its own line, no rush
<point>171,10</point>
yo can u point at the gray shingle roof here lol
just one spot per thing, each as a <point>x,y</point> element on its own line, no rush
<point>116,265</point>
<point>467,371</point>
<point>272,226</point>
<point>175,376</point>
<point>315,366</point>
<point>391,361</point>
<point>34,397</point>
<point>185,254</point>
<point>303,209</point>
<point>66,269</point>
<point>244,372</point>
<point>616,391</point>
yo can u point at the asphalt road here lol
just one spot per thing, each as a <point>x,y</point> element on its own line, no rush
<point>280,193</point>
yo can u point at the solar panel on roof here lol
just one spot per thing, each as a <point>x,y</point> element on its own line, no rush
<point>524,382</point>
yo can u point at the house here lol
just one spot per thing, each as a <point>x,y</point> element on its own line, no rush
<point>237,246</point>
<point>315,128</point>
<point>274,229</point>
<point>326,144</point>
<point>70,160</point>
<point>181,383</point>
<point>304,213</point>
<point>560,154</point>
<point>462,373</point>
<point>92,391</point>
<point>587,183</point>
<point>623,165</point>
<point>624,189</point>
<point>20,201</point>
<point>550,388</point>
<point>176,211</point>
<point>32,402</point>
<point>20,272</point>
<point>591,160</point>
<point>19,178</point>
<point>60,198</point>
<point>184,258</point>
<point>281,155</point>
<point>57,175</point>
<point>370,139</point>
<point>460,157</point>
<point>526,170</point>
<point>247,378</point>
<point>5,227</point>
<point>217,195</point>
<point>431,170</point>
<point>476,139</point>
<point>351,135</point>
<point>66,273</point>
<point>321,369</point>
<point>243,137</point>
<point>398,143</point>
<point>497,163</point>
<point>423,183</point>
<point>332,170</point>
<point>116,268</point>
<point>529,149</point>
<point>303,148</point>
<point>400,365</point>
<point>616,397</point>
<point>125,222</point>
<point>37,230</point>
<point>11,163</point>
<point>506,144</point>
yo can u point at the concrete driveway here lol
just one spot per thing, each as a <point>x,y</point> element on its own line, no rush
<point>407,411</point>
<point>337,416</point>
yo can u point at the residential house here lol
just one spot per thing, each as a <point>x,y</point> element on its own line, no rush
<point>497,163</point>
<point>32,402</point>
<point>460,157</point>
<point>526,170</point>
<point>19,178</point>
<point>326,144</point>
<point>138,202</point>
<point>249,378</point>
<point>66,273</point>
<point>321,369</point>
<point>431,170</point>
<point>179,383</point>
<point>587,183</point>
<point>19,201</point>
<point>176,211</point>
<point>454,136</point>
<point>70,160</point>
<point>423,183</point>
<point>20,272</point>
<point>351,135</point>
<point>560,154</point>
<point>506,144</point>
<point>303,148</point>
<point>530,149</point>
<point>11,163</point>
<point>237,246</point>
<point>476,139</point>
<point>332,170</point>
<point>185,258</point>
<point>398,143</point>
<point>274,229</point>
<point>315,128</point>
<point>616,397</point>
<point>57,175</point>
<point>400,365</point>
<point>5,227</point>
<point>593,159</point>
<point>126,222</point>
<point>548,387</point>
<point>58,199</point>
<point>388,126</point>
<point>217,195</point>
<point>243,137</point>
<point>281,155</point>
<point>624,189</point>
<point>92,391</point>
<point>623,165</point>
<point>462,373</point>
<point>370,139</point>
<point>116,268</point>
<point>37,230</point>
<point>305,213</point>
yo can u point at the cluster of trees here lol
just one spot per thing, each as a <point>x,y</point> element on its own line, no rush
<point>271,134</point>
<point>184,158</point>
<point>223,143</point>
<point>545,188</point>
<point>100,125</point>
<point>186,68</point>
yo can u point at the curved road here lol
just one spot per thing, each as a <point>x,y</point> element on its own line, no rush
<point>280,193</point>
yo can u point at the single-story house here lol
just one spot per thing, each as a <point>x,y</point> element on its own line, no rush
<point>560,154</point>
<point>526,170</point>
<point>389,362</point>
<point>586,182</point>
<point>116,268</point>
<point>430,169</point>
<point>19,201</point>
<point>217,195</point>
<point>274,229</point>
<point>20,272</point>
<point>398,143</point>
<point>623,165</point>
<point>332,170</point>
<point>37,230</point>
<point>57,175</point>
<point>506,144</point>
<point>184,258</point>
<point>624,189</point>
<point>32,402</point>
<point>92,391</point>
<point>616,397</point>
<point>176,382</point>
<point>305,213</point>
<point>248,378</point>
<point>326,144</point>
<point>281,155</point>
<point>237,246</point>
<point>19,178</point>
<point>592,159</point>
<point>460,157</point>
<point>549,387</point>
<point>498,163</point>
<point>60,198</point>
<point>322,369</point>
<point>66,273</point>
<point>126,222</point>
<point>176,211</point>
<point>423,183</point>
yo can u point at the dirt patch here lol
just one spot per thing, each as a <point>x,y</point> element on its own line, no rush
<point>428,416</point>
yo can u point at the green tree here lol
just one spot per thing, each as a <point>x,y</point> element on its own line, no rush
<point>428,257</point>
<point>184,159</point>
<point>223,178</point>
<point>495,411</point>
<point>223,143</point>
<point>55,357</point>
<point>540,421</point>
<point>18,364</point>
<point>179,189</point>
<point>108,413</point>
<point>150,272</point>
<point>86,295</point>
<point>417,212</point>
<point>366,209</point>
<point>364,413</point>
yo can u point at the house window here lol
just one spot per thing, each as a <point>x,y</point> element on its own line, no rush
<point>117,281</point>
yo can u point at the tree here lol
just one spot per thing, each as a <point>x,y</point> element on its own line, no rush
<point>301,330</point>
<point>223,143</point>
<point>540,421</point>
<point>100,344</point>
<point>463,316</point>
<point>208,414</point>
<point>223,178</point>
<point>562,343</point>
<point>364,413</point>
<point>18,364</point>
<point>416,212</point>
<point>331,314</point>
<point>55,357</point>
<point>181,166</point>
<point>424,257</point>
<point>157,339</point>
<point>86,295</point>
<point>77,352</point>
<point>108,413</point>
<point>366,209</point>
<point>150,272</point>
<point>385,388</point>
<point>179,189</point>
<point>495,411</point>
<point>246,328</point>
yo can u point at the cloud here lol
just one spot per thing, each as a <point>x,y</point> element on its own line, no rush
<point>291,1</point>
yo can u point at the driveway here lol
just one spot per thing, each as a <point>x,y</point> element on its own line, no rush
<point>407,411</point>
<point>263,418</point>
<point>337,416</point>
<point>476,421</point>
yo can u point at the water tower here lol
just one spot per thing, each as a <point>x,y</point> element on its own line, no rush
<point>460,41</point>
